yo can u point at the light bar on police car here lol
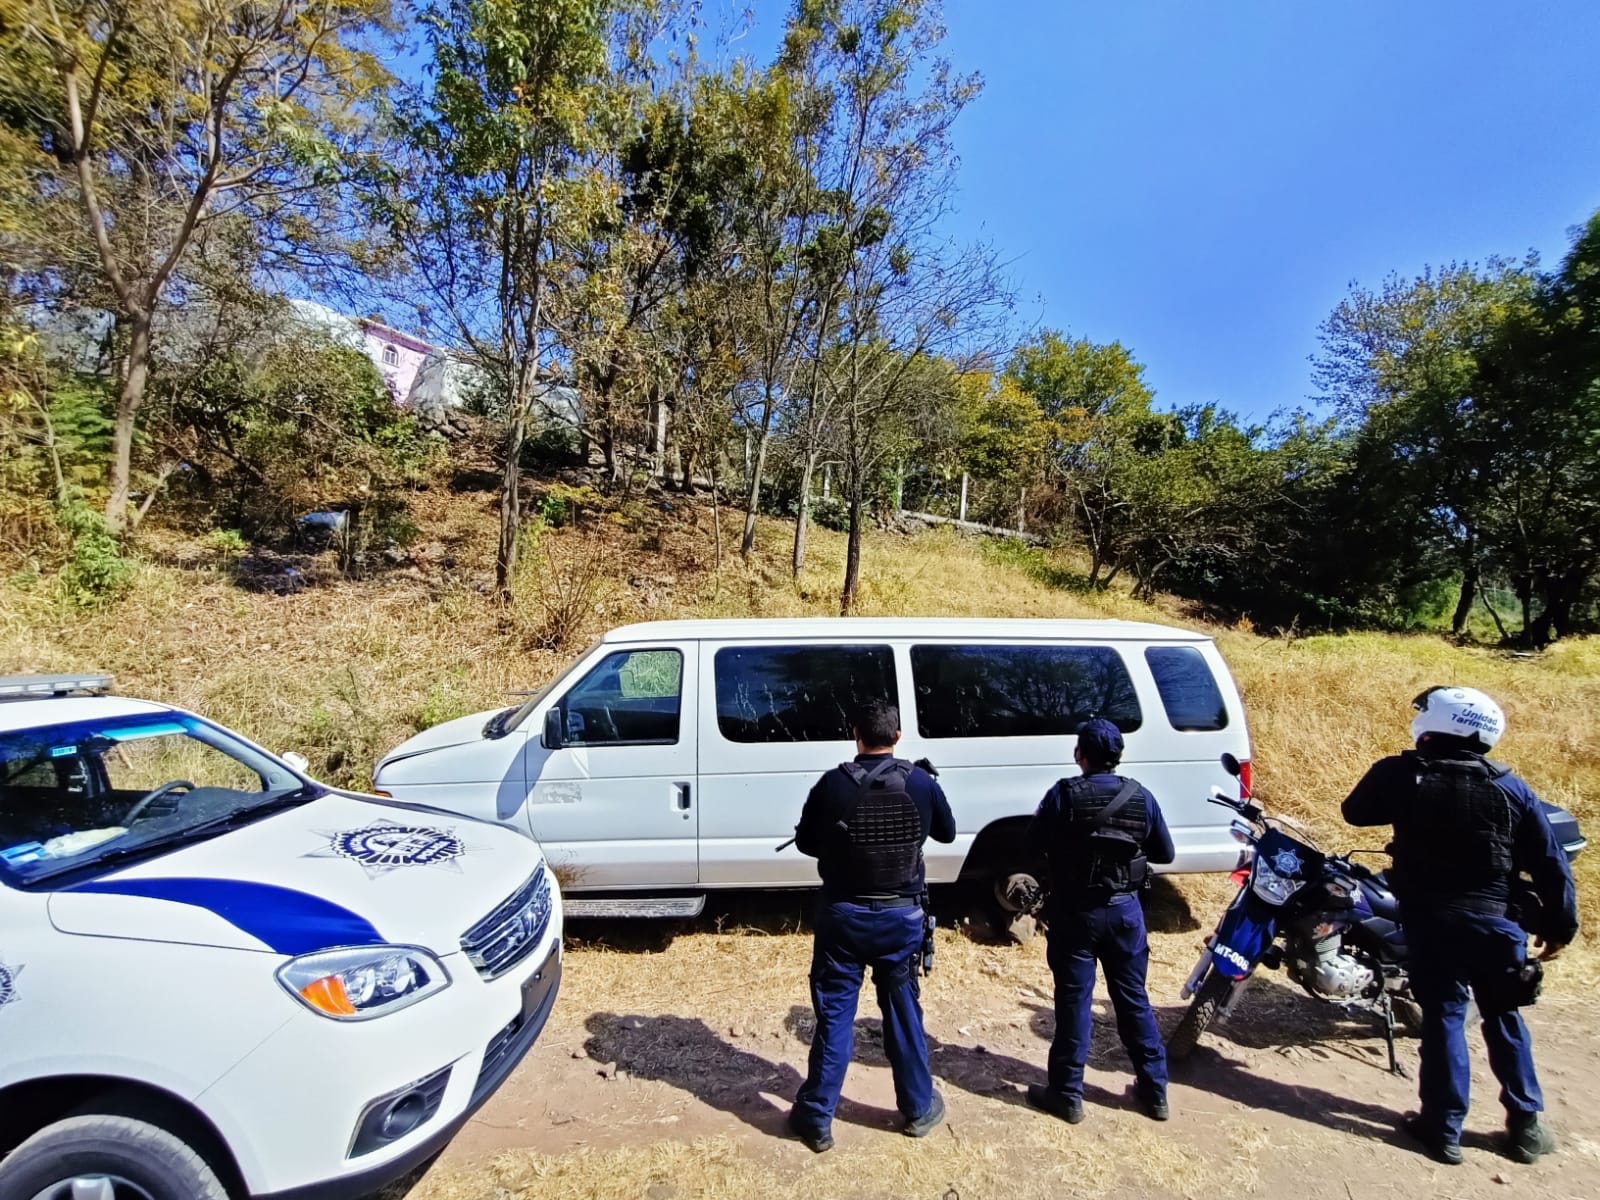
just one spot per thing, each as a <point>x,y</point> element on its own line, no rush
<point>18,686</point>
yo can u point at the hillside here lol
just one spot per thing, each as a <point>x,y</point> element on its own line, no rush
<point>343,670</point>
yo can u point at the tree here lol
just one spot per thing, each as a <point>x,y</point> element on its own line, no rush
<point>1101,425</point>
<point>888,295</point>
<point>501,182</point>
<point>1539,388</point>
<point>1401,368</point>
<point>166,119</point>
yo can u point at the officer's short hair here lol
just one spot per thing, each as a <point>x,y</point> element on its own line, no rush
<point>875,722</point>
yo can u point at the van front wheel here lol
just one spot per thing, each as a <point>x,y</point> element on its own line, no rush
<point>98,1157</point>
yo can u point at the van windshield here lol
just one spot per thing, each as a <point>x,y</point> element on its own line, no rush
<point>516,716</point>
<point>90,793</point>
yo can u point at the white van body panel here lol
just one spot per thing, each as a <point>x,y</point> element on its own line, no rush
<point>614,817</point>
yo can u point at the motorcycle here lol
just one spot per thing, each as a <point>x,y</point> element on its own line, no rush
<point>1331,924</point>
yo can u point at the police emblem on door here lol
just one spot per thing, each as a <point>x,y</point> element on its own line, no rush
<point>384,846</point>
<point>8,983</point>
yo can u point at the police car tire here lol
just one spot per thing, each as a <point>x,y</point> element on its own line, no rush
<point>145,1155</point>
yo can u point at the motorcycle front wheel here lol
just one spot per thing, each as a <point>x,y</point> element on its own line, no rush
<point>1203,1010</point>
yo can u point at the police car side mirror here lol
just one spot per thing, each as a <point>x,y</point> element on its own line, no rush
<point>555,734</point>
<point>297,761</point>
<point>1230,764</point>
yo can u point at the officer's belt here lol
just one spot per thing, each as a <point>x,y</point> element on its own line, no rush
<point>876,903</point>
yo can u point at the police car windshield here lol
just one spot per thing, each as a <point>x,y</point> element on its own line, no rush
<point>76,794</point>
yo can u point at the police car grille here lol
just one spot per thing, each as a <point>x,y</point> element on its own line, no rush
<point>512,931</point>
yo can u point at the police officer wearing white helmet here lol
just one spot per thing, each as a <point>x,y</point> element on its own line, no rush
<point>1465,830</point>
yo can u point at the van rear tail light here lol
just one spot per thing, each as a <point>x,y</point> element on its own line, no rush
<point>1244,780</point>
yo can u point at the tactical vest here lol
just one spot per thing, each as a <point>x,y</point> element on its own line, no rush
<point>1102,849</point>
<point>1455,835</point>
<point>883,830</point>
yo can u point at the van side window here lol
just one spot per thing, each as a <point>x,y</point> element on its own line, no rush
<point>630,698</point>
<point>798,693</point>
<point>1189,693</point>
<point>1020,691</point>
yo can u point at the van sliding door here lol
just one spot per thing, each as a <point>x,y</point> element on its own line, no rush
<point>774,717</point>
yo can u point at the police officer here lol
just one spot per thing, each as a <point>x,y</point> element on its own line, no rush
<point>1464,828</point>
<point>865,822</point>
<point>1099,832</point>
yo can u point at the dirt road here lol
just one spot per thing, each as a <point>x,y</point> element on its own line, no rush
<point>671,1060</point>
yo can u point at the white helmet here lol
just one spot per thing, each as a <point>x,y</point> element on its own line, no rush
<point>1460,712</point>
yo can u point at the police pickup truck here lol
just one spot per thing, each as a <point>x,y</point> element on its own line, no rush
<point>219,978</point>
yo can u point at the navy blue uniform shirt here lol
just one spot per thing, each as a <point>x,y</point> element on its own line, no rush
<point>1392,781</point>
<point>830,802</point>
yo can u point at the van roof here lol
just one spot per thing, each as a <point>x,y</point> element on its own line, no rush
<point>891,627</point>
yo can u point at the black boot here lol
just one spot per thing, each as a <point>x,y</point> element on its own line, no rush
<point>1528,1138</point>
<point>1439,1147</point>
<point>1068,1108</point>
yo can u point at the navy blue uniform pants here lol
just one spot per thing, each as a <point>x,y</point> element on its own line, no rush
<point>1112,934</point>
<point>1450,954</point>
<point>850,938</point>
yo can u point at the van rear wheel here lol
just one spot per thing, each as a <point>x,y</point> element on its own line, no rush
<point>97,1157</point>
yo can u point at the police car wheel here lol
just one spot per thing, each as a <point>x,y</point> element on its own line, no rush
<point>107,1158</point>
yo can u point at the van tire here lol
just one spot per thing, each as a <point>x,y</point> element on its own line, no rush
<point>144,1155</point>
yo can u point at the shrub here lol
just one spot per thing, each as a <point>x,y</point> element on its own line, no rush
<point>95,571</point>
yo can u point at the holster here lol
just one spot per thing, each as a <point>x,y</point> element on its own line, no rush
<point>1515,987</point>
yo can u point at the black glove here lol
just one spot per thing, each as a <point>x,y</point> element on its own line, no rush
<point>927,766</point>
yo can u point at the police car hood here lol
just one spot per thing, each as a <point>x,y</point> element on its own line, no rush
<point>336,871</point>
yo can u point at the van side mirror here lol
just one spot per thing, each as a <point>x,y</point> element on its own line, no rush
<point>1230,764</point>
<point>555,734</point>
<point>297,761</point>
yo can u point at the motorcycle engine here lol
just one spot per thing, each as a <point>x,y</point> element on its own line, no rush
<point>1323,969</point>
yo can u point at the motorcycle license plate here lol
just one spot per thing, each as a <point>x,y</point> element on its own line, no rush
<point>1240,942</point>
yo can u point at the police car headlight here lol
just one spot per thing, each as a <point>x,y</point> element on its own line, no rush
<point>363,982</point>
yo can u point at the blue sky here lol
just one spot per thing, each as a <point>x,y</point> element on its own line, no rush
<point>1202,180</point>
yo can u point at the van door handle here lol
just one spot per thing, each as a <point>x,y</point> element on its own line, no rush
<point>684,796</point>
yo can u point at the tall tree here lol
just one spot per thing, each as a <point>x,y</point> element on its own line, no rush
<point>165,119</point>
<point>1401,367</point>
<point>1102,425</point>
<point>888,293</point>
<point>502,181</point>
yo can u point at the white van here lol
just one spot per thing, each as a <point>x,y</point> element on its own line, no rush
<point>220,979</point>
<point>673,756</point>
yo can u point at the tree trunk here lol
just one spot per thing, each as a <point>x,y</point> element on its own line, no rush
<point>609,444</point>
<point>716,519</point>
<point>752,500</point>
<point>505,559</point>
<point>1469,594</point>
<point>803,514</point>
<point>852,555</point>
<point>128,404</point>
<point>1469,584</point>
